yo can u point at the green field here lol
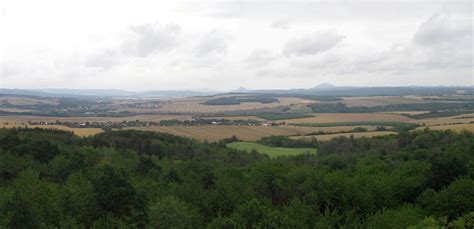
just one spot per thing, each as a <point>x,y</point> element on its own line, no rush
<point>270,151</point>
<point>300,110</point>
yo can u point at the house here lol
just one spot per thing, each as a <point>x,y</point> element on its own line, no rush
<point>268,123</point>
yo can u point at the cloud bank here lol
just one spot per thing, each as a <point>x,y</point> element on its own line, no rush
<point>153,46</point>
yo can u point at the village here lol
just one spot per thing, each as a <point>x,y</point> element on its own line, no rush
<point>195,121</point>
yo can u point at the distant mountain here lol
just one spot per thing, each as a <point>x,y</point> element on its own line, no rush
<point>324,86</point>
<point>241,90</point>
<point>88,92</point>
<point>172,93</point>
<point>319,90</point>
<point>102,93</point>
<point>7,91</point>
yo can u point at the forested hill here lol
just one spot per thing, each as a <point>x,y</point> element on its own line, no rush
<point>53,179</point>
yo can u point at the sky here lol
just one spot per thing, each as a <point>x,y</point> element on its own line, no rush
<point>222,45</point>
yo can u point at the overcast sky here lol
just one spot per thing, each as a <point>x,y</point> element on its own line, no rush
<point>148,45</point>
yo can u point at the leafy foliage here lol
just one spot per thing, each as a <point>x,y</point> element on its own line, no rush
<point>123,179</point>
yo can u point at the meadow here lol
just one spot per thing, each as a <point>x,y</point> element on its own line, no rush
<point>272,152</point>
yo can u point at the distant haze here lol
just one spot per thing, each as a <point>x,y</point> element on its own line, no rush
<point>238,45</point>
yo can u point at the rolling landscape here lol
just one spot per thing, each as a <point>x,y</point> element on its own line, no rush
<point>236,114</point>
<point>248,116</point>
<point>283,150</point>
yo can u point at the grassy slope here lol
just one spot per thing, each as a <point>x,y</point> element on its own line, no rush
<point>270,151</point>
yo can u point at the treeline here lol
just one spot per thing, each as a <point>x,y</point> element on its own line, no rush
<point>282,116</point>
<point>152,180</point>
<point>286,142</point>
<point>381,125</point>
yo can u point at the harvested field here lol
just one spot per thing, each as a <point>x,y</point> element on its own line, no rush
<point>83,132</point>
<point>374,101</point>
<point>457,119</point>
<point>326,137</point>
<point>350,117</point>
<point>246,133</point>
<point>455,127</point>
<point>196,106</point>
<point>77,131</point>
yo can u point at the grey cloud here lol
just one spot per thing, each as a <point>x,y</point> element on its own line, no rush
<point>9,69</point>
<point>272,73</point>
<point>445,40</point>
<point>212,43</point>
<point>441,43</point>
<point>151,38</point>
<point>104,60</point>
<point>260,58</point>
<point>312,44</point>
<point>442,28</point>
<point>281,24</point>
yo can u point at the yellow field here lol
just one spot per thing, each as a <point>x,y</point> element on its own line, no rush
<point>195,105</point>
<point>455,127</point>
<point>350,117</point>
<point>327,137</point>
<point>246,133</point>
<point>77,131</point>
<point>374,101</point>
<point>446,120</point>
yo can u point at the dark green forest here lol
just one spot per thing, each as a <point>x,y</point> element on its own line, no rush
<point>133,179</point>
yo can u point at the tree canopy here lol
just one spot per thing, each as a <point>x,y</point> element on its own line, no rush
<point>140,179</point>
